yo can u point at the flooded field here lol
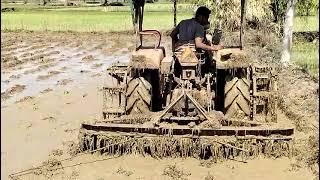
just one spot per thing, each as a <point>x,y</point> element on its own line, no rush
<point>51,83</point>
<point>36,65</point>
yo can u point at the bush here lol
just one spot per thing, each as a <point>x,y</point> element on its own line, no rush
<point>259,13</point>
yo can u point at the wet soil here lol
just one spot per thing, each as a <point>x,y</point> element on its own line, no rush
<point>51,82</point>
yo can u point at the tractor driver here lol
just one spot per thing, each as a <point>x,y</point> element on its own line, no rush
<point>193,31</point>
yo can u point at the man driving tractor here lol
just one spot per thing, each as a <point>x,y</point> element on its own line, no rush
<point>193,31</point>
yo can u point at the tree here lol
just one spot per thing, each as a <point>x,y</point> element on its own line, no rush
<point>278,8</point>
<point>307,7</point>
<point>287,32</point>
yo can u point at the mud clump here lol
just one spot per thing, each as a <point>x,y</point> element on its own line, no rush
<point>43,77</point>
<point>27,98</point>
<point>46,90</point>
<point>64,82</point>
<point>15,76</point>
<point>88,58</point>
<point>30,71</point>
<point>73,148</point>
<point>175,173</point>
<point>54,72</point>
<point>57,152</point>
<point>46,66</point>
<point>64,68</point>
<point>44,60</point>
<point>216,118</point>
<point>209,177</point>
<point>11,91</point>
<point>49,168</point>
<point>50,119</point>
<point>50,74</point>
<point>9,61</point>
<point>124,172</point>
<point>96,75</point>
<point>97,65</point>
<point>206,163</point>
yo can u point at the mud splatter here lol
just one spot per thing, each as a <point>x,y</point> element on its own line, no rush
<point>46,90</point>
<point>64,82</point>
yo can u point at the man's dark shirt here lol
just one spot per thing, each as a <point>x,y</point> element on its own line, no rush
<point>190,29</point>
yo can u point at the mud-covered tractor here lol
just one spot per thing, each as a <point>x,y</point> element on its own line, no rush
<point>192,103</point>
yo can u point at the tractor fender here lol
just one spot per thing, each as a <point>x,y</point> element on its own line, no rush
<point>147,58</point>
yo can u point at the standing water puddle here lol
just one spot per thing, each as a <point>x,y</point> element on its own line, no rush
<point>69,63</point>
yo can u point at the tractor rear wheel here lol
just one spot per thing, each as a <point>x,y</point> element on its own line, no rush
<point>236,96</point>
<point>139,92</point>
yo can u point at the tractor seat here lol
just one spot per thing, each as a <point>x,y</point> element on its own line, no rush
<point>149,58</point>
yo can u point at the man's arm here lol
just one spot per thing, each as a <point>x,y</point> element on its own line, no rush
<point>199,44</point>
<point>199,37</point>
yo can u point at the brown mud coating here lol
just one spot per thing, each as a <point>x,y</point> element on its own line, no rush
<point>42,130</point>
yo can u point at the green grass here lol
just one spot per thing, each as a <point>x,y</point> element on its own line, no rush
<point>307,23</point>
<point>84,20</point>
<point>106,19</point>
<point>306,55</point>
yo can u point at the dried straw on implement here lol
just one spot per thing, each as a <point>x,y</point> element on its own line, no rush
<point>218,148</point>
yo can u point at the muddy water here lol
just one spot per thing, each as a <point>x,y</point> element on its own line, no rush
<point>70,64</point>
<point>73,68</point>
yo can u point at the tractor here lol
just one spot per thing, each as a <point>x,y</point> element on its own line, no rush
<point>192,103</point>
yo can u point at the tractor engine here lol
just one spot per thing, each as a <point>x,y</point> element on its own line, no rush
<point>188,62</point>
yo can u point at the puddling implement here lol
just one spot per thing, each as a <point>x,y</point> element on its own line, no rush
<point>112,138</point>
